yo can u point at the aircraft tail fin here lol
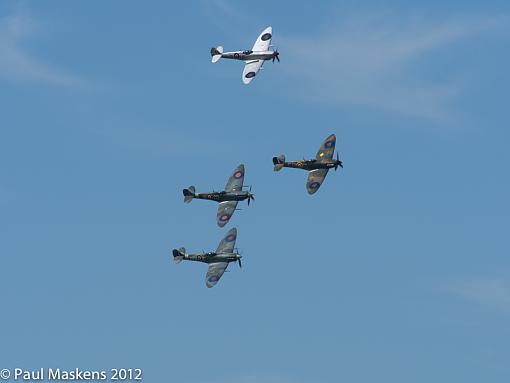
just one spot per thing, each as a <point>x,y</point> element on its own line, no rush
<point>189,194</point>
<point>216,53</point>
<point>278,162</point>
<point>178,254</point>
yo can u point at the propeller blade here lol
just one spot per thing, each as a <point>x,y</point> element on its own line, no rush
<point>275,55</point>
<point>240,265</point>
<point>338,162</point>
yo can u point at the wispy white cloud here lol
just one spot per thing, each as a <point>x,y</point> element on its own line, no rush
<point>390,61</point>
<point>16,62</point>
<point>491,291</point>
<point>228,18</point>
<point>379,62</point>
<point>161,141</point>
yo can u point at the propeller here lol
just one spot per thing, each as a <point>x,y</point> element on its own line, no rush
<point>240,264</point>
<point>338,162</point>
<point>250,196</point>
<point>275,55</point>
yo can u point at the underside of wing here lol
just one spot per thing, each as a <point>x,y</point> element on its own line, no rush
<point>225,211</point>
<point>235,181</point>
<point>251,69</point>
<point>214,273</point>
<point>227,244</point>
<point>315,180</point>
<point>327,149</point>
<point>263,41</point>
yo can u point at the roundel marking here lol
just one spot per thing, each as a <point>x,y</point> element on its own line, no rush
<point>230,238</point>
<point>224,217</point>
<point>329,144</point>
<point>236,55</point>
<point>315,185</point>
<point>250,75</point>
<point>266,36</point>
<point>238,174</point>
<point>213,278</point>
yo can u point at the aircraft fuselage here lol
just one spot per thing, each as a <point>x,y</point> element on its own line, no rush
<point>224,196</point>
<point>311,164</point>
<point>249,55</point>
<point>213,257</point>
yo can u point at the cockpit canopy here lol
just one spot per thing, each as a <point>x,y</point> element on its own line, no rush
<point>247,52</point>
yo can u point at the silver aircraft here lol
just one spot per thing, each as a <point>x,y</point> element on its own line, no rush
<point>218,260</point>
<point>227,198</point>
<point>254,57</point>
<point>317,168</point>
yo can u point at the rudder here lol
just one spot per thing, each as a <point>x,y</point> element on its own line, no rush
<point>278,162</point>
<point>216,53</point>
<point>189,194</point>
<point>179,254</point>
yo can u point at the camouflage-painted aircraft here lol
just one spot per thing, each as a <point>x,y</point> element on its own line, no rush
<point>227,199</point>
<point>318,167</point>
<point>254,58</point>
<point>218,260</point>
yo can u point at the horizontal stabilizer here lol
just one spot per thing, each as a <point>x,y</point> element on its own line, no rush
<point>189,194</point>
<point>179,254</point>
<point>278,162</point>
<point>216,53</point>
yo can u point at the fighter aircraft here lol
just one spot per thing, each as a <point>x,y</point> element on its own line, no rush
<point>254,57</point>
<point>218,260</point>
<point>227,199</point>
<point>318,167</point>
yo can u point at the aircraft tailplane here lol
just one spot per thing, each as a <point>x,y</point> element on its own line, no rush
<point>278,162</point>
<point>179,254</point>
<point>216,53</point>
<point>189,194</point>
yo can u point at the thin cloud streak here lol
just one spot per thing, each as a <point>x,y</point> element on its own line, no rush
<point>491,291</point>
<point>16,64</point>
<point>227,18</point>
<point>373,62</point>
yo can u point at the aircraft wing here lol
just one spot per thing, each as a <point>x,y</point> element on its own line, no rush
<point>225,211</point>
<point>263,41</point>
<point>315,180</point>
<point>235,182</point>
<point>327,149</point>
<point>214,273</point>
<point>251,69</point>
<point>227,244</point>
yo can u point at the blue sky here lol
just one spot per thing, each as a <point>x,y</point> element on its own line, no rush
<point>397,270</point>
